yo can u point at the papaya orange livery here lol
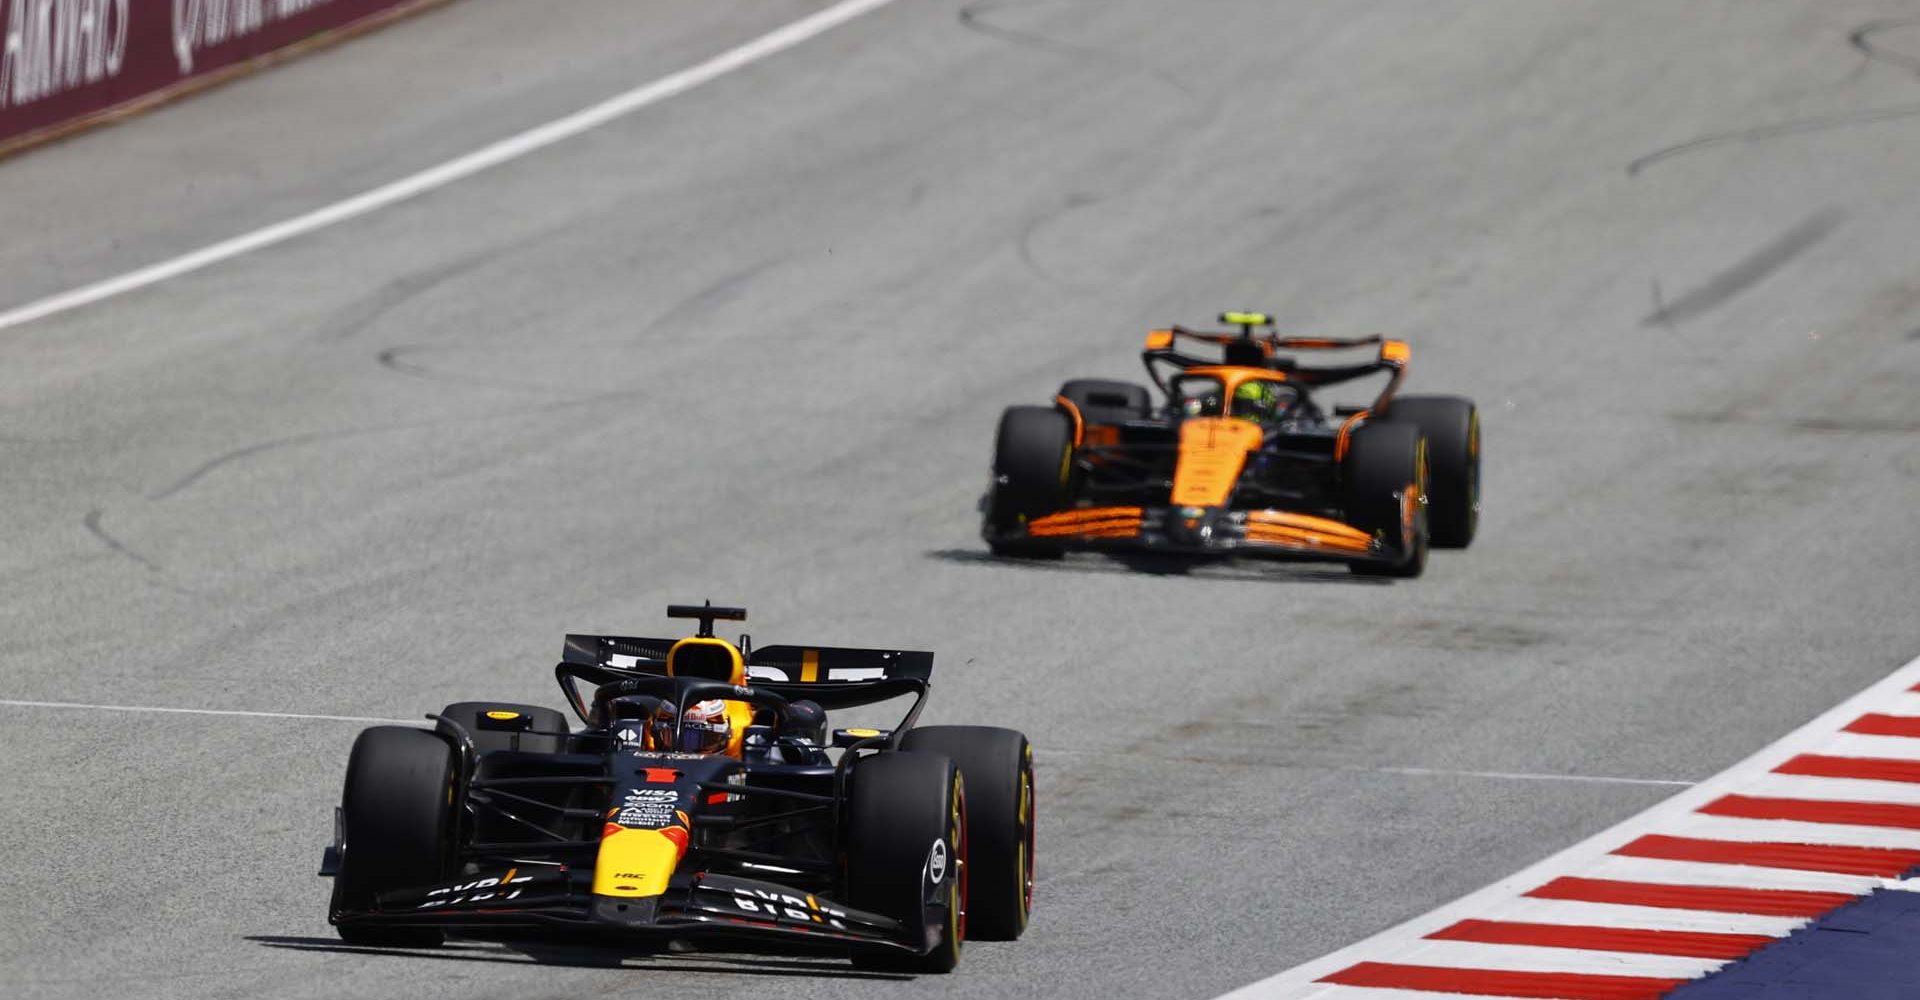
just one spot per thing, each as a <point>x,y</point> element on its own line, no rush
<point>1212,452</point>
<point>1237,454</point>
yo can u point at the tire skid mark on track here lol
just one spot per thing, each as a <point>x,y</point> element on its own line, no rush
<point>271,444</point>
<point>1775,835</point>
<point>224,459</point>
<point>1074,202</point>
<point>1208,109</point>
<point>92,520</point>
<point>1751,270</point>
<point>970,18</point>
<point>701,302</point>
<point>394,359</point>
<point>709,298</point>
<point>156,572</point>
<point>1860,38</point>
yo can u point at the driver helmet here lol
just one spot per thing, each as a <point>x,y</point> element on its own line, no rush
<point>704,730</point>
<point>1257,400</point>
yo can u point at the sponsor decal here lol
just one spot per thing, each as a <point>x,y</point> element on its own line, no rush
<point>478,891</point>
<point>500,716</point>
<point>628,736</point>
<point>648,808</point>
<point>763,672</point>
<point>937,862</point>
<point>48,47</point>
<point>672,755</point>
<point>782,905</point>
<point>198,24</point>
<point>64,61</point>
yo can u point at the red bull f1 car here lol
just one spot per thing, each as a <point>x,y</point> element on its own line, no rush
<point>1238,458</point>
<point>702,799</point>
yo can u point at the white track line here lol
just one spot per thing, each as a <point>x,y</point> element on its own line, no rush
<point>505,150</point>
<point>1428,772</point>
<point>145,709</point>
<point>1676,814</point>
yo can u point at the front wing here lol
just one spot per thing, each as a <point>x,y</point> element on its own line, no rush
<point>1205,531</point>
<point>694,906</point>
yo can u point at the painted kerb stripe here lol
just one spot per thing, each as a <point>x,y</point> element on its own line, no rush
<point>1671,829</point>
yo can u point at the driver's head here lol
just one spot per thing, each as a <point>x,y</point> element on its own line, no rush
<point>704,730</point>
<point>1257,400</point>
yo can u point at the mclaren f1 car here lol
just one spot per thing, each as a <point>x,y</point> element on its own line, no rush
<point>703,799</point>
<point>1239,458</point>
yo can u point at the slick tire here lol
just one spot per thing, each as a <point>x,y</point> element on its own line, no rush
<point>997,765</point>
<point>546,732</point>
<point>1383,461</point>
<point>399,827</point>
<point>1032,468</point>
<point>907,854</point>
<point>1103,401</point>
<point>1451,425</point>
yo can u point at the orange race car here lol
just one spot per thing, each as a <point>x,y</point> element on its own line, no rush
<point>1240,459</point>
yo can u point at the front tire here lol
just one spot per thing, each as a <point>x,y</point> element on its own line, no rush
<point>1451,425</point>
<point>398,824</point>
<point>1386,476</point>
<point>1032,466</point>
<point>907,855</point>
<point>998,767</point>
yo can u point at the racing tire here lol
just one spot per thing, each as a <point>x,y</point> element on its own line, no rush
<point>398,824</point>
<point>907,855</point>
<point>1104,401</point>
<point>547,733</point>
<point>1451,425</point>
<point>1383,460</point>
<point>997,765</point>
<point>1032,466</point>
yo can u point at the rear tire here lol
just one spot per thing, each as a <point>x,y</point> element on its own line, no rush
<point>398,824</point>
<point>906,817</point>
<point>998,767</point>
<point>471,716</point>
<point>1451,425</point>
<point>1382,462</point>
<point>1032,464</point>
<point>1104,401</point>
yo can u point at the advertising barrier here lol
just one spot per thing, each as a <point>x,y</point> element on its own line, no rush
<point>67,64</point>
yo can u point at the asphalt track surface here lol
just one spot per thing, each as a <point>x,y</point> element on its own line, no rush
<point>750,344</point>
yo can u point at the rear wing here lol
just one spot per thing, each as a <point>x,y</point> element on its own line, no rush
<point>832,676</point>
<point>1244,349</point>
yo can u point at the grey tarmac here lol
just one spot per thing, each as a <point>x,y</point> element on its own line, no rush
<point>750,344</point>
